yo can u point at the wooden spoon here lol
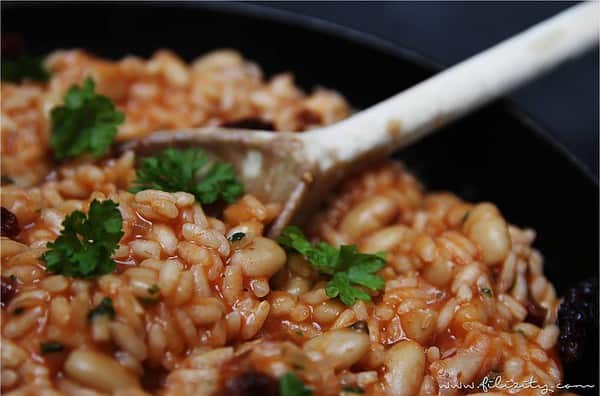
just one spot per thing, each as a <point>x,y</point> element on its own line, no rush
<point>298,170</point>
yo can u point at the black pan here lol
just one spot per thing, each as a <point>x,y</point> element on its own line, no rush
<point>497,154</point>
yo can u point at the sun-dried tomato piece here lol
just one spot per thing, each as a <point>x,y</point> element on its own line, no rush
<point>9,289</point>
<point>10,224</point>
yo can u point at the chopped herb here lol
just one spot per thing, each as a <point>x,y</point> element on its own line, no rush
<point>50,347</point>
<point>360,326</point>
<point>492,375</point>
<point>238,236</point>
<point>192,171</point>
<point>104,308</point>
<point>13,277</point>
<point>19,311</point>
<point>299,333</point>
<point>353,389</point>
<point>86,123</point>
<point>486,291</point>
<point>25,68</point>
<point>297,366</point>
<point>7,180</point>
<point>291,385</point>
<point>465,217</point>
<point>148,300</point>
<point>520,331</point>
<point>153,289</point>
<point>347,268</point>
<point>86,244</point>
<point>512,285</point>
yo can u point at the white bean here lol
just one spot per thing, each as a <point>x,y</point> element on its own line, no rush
<point>342,347</point>
<point>405,363</point>
<point>98,371</point>
<point>263,257</point>
<point>485,226</point>
<point>385,240</point>
<point>368,215</point>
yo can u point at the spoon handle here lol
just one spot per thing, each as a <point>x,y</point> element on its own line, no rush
<point>403,118</point>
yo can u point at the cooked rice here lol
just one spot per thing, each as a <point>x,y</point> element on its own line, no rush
<point>162,93</point>
<point>458,284</point>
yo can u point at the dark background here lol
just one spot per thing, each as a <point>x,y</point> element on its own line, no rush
<point>526,176</point>
<point>565,101</point>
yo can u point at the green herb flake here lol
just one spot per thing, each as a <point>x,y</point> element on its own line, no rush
<point>291,385</point>
<point>360,326</point>
<point>192,171</point>
<point>486,291</point>
<point>25,68</point>
<point>104,308</point>
<point>50,347</point>
<point>85,123</point>
<point>520,331</point>
<point>7,180</point>
<point>353,389</point>
<point>349,270</point>
<point>465,217</point>
<point>13,277</point>
<point>492,375</point>
<point>152,290</point>
<point>148,300</point>
<point>299,333</point>
<point>512,285</point>
<point>238,236</point>
<point>86,244</point>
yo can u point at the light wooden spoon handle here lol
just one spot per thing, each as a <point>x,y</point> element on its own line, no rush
<point>460,89</point>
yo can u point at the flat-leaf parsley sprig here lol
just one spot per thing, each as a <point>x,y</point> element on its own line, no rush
<point>86,243</point>
<point>348,269</point>
<point>192,171</point>
<point>291,385</point>
<point>85,123</point>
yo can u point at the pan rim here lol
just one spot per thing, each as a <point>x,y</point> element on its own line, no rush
<point>396,50</point>
<point>321,26</point>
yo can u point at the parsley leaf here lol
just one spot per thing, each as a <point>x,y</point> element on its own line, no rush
<point>465,217</point>
<point>50,347</point>
<point>86,244</point>
<point>238,236</point>
<point>353,389</point>
<point>86,123</point>
<point>25,68</point>
<point>7,180</point>
<point>322,256</point>
<point>104,308</point>
<point>486,291</point>
<point>347,267</point>
<point>291,385</point>
<point>192,171</point>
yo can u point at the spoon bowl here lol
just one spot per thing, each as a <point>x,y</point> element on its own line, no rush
<point>298,170</point>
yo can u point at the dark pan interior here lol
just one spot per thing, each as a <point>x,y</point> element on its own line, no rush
<point>496,154</point>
